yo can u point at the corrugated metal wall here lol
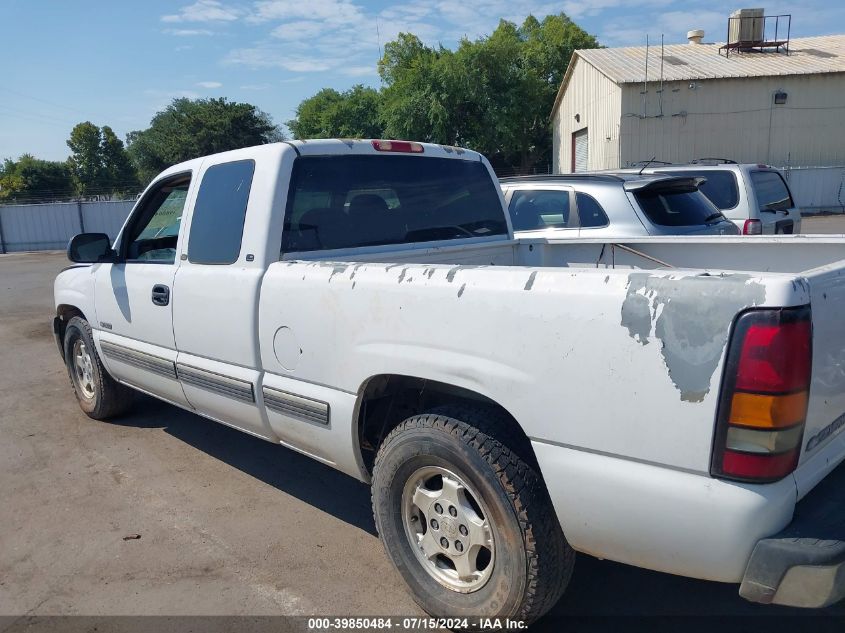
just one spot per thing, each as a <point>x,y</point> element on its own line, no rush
<point>736,119</point>
<point>40,227</point>
<point>596,101</point>
<point>725,118</point>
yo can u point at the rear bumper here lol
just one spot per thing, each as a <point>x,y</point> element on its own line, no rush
<point>803,565</point>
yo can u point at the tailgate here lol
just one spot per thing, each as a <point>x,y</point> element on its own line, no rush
<point>824,443</point>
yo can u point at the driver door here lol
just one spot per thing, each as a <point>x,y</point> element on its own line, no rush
<point>133,297</point>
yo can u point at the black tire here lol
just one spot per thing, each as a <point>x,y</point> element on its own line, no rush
<point>533,562</point>
<point>101,397</point>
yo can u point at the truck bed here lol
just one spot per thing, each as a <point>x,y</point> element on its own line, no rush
<point>658,308</point>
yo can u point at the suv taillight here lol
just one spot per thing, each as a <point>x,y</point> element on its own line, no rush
<point>752,227</point>
<point>765,391</point>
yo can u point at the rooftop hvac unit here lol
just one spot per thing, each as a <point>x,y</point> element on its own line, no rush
<point>746,26</point>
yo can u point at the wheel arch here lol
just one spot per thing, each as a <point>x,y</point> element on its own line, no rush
<point>385,400</point>
<point>64,313</point>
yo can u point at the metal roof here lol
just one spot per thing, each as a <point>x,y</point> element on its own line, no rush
<point>684,62</point>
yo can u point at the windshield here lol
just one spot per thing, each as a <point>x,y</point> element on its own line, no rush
<point>678,207</point>
<point>351,201</point>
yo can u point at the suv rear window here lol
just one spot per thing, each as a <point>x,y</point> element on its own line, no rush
<point>772,193</point>
<point>351,201</point>
<point>721,186</point>
<point>677,207</point>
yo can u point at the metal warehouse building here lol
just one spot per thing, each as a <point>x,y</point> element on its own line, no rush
<point>782,105</point>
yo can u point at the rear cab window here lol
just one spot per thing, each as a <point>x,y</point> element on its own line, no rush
<point>339,202</point>
<point>720,186</point>
<point>677,205</point>
<point>771,191</point>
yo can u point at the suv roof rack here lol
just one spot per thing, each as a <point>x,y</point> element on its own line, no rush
<point>714,161</point>
<point>646,163</point>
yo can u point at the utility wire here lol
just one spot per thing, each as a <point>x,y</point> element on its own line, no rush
<point>52,103</point>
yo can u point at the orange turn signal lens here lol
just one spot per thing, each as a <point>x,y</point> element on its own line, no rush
<point>770,412</point>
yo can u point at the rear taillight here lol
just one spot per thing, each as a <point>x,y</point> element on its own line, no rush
<point>752,227</point>
<point>765,391</point>
<point>408,147</point>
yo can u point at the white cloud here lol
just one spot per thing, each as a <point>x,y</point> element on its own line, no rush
<point>299,30</point>
<point>330,11</point>
<point>204,11</point>
<point>358,71</point>
<point>188,32</point>
<point>347,38</point>
<point>265,57</point>
<point>209,84</point>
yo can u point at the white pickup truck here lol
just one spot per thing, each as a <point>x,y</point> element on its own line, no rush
<point>670,403</point>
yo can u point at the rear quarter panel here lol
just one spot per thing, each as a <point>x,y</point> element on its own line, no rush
<point>625,363</point>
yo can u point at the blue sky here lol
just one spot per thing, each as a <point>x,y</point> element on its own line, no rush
<point>118,62</point>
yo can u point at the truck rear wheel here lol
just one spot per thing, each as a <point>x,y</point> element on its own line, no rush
<point>100,396</point>
<point>466,519</point>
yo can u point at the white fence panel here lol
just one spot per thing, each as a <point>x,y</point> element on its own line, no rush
<point>106,217</point>
<point>817,189</point>
<point>38,227</point>
<point>44,227</point>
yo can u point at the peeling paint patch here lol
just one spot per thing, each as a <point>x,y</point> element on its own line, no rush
<point>402,275</point>
<point>338,269</point>
<point>450,276</point>
<point>530,283</point>
<point>691,318</point>
<point>461,291</point>
<point>636,316</point>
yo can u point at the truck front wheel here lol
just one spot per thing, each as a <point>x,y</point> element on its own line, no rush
<point>100,396</point>
<point>465,517</point>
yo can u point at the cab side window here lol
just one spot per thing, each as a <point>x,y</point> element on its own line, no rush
<point>152,236</point>
<point>217,224</point>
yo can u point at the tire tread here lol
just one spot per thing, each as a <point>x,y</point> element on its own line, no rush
<point>550,559</point>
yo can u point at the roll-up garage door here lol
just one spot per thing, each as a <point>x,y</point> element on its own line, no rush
<point>579,150</point>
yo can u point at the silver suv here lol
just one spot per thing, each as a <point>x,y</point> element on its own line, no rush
<point>612,206</point>
<point>755,197</point>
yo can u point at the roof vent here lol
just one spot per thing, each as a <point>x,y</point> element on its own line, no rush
<point>695,36</point>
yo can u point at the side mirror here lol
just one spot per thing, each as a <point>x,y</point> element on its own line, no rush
<point>90,248</point>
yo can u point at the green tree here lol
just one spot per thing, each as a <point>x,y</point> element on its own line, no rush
<point>99,162</point>
<point>120,175</point>
<point>493,94</point>
<point>332,114</point>
<point>86,161</point>
<point>30,179</point>
<point>424,97</point>
<point>188,128</point>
